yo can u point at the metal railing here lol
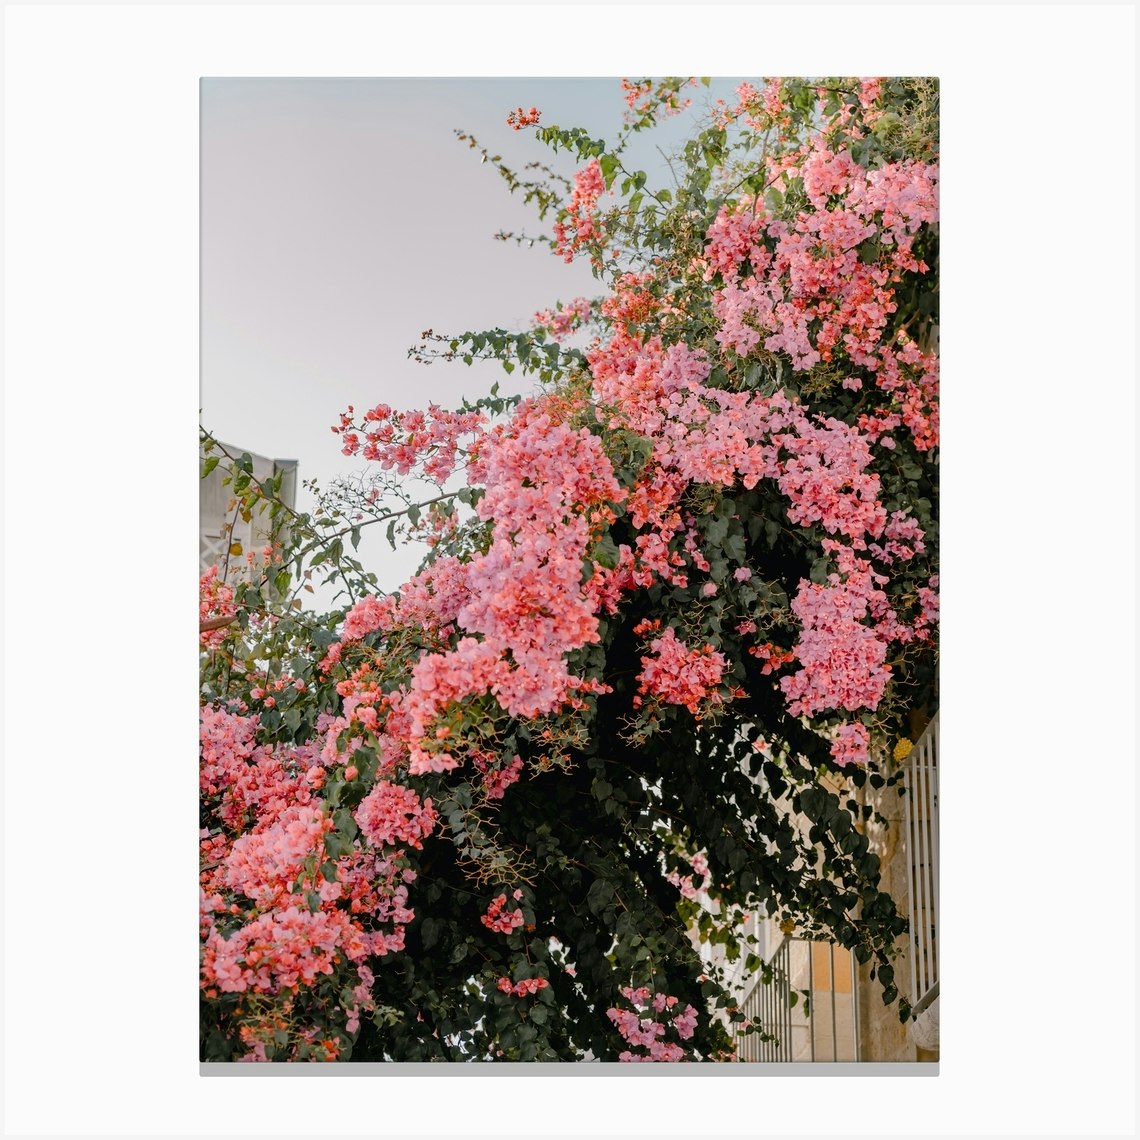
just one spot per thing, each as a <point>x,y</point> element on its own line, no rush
<point>807,1009</point>
<point>920,821</point>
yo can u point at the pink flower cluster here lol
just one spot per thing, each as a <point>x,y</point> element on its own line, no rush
<point>247,777</point>
<point>684,883</point>
<point>215,600</point>
<point>904,539</point>
<point>661,100</point>
<point>430,602</point>
<point>679,675</point>
<point>521,989</point>
<point>824,477</point>
<point>519,118</point>
<point>851,744</point>
<point>496,780</point>
<point>392,815</point>
<point>431,441</point>
<point>499,623</point>
<point>737,237</point>
<point>265,864</point>
<point>581,226</point>
<point>276,912</point>
<point>842,658</point>
<point>870,91</point>
<point>362,998</point>
<point>643,1031</point>
<point>771,654</point>
<point>563,320</point>
<point>298,931</point>
<point>847,627</point>
<point>500,920</point>
<point>706,435</point>
<point>548,493</point>
<point>758,110</point>
<point>365,617</point>
<point>804,289</point>
<point>280,949</point>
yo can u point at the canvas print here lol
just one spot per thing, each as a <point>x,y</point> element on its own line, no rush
<point>569,570</point>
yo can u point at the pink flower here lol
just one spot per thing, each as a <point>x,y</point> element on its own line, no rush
<point>391,814</point>
<point>526,986</point>
<point>496,781</point>
<point>503,923</point>
<point>643,1032</point>
<point>850,746</point>
<point>581,225</point>
<point>519,118</point>
<point>679,675</point>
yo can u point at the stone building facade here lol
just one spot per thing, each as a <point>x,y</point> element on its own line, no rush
<point>220,526</point>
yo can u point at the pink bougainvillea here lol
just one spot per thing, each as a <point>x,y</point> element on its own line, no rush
<point>719,491</point>
<point>581,226</point>
<point>521,989</point>
<point>500,919</point>
<point>643,1031</point>
<point>216,603</point>
<point>679,675</point>
<point>393,816</point>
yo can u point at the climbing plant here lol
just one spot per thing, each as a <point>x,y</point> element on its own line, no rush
<point>679,597</point>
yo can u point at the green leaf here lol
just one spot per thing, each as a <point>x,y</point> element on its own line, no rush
<point>337,846</point>
<point>716,530</point>
<point>429,932</point>
<point>606,553</point>
<point>346,823</point>
<point>600,895</point>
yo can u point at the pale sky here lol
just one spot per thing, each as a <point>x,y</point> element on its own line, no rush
<point>341,217</point>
